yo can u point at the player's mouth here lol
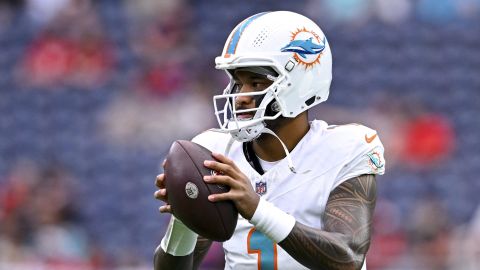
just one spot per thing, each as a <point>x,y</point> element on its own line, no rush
<point>245,116</point>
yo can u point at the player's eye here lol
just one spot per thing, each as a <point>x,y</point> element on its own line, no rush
<point>236,88</point>
<point>259,85</point>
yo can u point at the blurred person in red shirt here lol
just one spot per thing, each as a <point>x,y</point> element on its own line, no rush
<point>40,223</point>
<point>70,50</point>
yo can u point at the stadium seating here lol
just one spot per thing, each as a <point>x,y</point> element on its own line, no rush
<point>434,64</point>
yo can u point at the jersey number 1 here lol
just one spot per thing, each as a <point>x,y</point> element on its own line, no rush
<point>265,248</point>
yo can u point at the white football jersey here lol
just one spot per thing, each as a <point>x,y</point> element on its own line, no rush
<point>325,157</point>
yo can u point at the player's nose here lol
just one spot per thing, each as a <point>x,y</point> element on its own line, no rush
<point>244,102</point>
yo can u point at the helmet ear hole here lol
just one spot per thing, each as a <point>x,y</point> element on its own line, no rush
<point>310,101</point>
<point>272,108</point>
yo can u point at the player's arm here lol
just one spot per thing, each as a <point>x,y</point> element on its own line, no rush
<point>180,248</point>
<point>163,260</point>
<point>341,244</point>
<point>345,238</point>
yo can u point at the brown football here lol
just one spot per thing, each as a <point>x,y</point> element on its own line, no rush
<point>188,193</point>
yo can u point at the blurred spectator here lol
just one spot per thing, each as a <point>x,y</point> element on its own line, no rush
<point>42,11</point>
<point>389,240</point>
<point>429,139</point>
<point>437,11</point>
<point>358,12</point>
<point>353,12</point>
<point>164,78</point>
<point>468,9</point>
<point>14,230</point>
<point>429,231</point>
<point>429,238</point>
<point>7,12</point>
<point>40,224</point>
<point>465,249</point>
<point>160,38</point>
<point>138,119</point>
<point>70,50</point>
<point>163,92</point>
<point>158,29</point>
<point>393,11</point>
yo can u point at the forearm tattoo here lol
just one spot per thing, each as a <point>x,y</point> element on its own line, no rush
<point>345,238</point>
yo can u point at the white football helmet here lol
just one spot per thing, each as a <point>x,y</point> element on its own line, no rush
<point>295,48</point>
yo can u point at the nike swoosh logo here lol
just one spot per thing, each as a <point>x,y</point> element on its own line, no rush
<point>371,138</point>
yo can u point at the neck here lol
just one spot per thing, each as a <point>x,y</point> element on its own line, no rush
<point>291,131</point>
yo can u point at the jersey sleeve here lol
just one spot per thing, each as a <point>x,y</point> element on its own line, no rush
<point>366,155</point>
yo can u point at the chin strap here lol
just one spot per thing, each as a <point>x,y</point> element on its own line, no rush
<point>229,146</point>
<point>287,153</point>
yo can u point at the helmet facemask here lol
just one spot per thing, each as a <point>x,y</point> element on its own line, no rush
<point>232,119</point>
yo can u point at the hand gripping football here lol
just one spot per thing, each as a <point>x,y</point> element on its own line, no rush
<point>188,193</point>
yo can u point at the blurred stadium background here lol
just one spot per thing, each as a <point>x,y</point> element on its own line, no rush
<point>92,93</point>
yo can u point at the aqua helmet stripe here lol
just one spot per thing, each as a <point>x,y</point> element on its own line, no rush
<point>232,45</point>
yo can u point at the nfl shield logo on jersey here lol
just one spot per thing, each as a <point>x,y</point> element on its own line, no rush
<point>261,187</point>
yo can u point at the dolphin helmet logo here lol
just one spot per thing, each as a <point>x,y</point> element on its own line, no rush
<point>306,46</point>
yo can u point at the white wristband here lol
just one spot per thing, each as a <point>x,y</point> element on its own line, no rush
<point>273,222</point>
<point>179,240</point>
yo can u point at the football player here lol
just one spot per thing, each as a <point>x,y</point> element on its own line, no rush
<point>305,191</point>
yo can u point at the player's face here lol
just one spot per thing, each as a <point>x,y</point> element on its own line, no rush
<point>246,82</point>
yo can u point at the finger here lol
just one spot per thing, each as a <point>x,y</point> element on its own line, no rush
<point>224,159</point>
<point>220,197</point>
<point>161,194</point>
<point>167,208</point>
<point>220,180</point>
<point>219,167</point>
<point>159,181</point>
